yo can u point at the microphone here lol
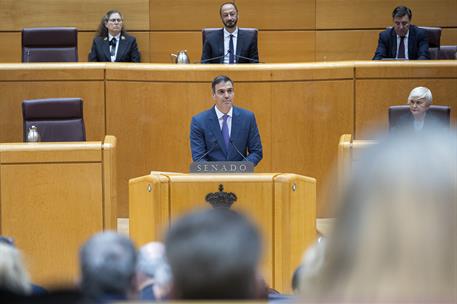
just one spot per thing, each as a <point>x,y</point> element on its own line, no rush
<point>214,145</point>
<point>242,155</point>
<point>214,58</point>
<point>247,58</point>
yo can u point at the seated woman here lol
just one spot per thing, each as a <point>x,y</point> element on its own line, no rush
<point>419,118</point>
<point>112,43</point>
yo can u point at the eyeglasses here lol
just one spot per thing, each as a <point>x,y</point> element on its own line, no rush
<point>418,102</point>
<point>119,20</point>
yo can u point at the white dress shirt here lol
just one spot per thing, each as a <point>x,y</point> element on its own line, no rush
<point>220,117</point>
<point>227,42</point>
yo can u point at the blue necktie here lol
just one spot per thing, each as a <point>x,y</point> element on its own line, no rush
<point>401,48</point>
<point>225,131</point>
<point>231,51</point>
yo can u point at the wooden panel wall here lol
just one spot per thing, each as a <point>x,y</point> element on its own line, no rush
<point>85,15</point>
<point>376,14</point>
<point>19,82</point>
<point>301,109</point>
<point>290,30</point>
<point>262,14</point>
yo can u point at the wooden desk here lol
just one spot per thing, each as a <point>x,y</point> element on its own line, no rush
<point>349,150</point>
<point>283,206</point>
<point>54,196</point>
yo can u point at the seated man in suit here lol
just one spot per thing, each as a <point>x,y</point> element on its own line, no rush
<point>230,44</point>
<point>225,132</point>
<point>112,43</point>
<point>419,119</point>
<point>403,40</point>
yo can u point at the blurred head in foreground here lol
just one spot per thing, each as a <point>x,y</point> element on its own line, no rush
<point>311,264</point>
<point>214,254</point>
<point>394,237</point>
<point>13,274</point>
<point>150,256</point>
<point>150,267</point>
<point>108,264</point>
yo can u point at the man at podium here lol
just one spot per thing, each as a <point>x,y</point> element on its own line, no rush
<point>225,132</point>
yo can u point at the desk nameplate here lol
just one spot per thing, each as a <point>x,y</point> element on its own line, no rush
<point>222,167</point>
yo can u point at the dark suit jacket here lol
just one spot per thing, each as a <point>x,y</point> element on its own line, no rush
<point>405,123</point>
<point>126,52</point>
<point>206,134</point>
<point>417,44</point>
<point>246,47</point>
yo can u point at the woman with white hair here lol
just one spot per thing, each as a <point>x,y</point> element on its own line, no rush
<point>419,101</point>
<point>419,118</point>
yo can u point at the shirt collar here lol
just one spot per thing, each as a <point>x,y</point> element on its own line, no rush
<point>406,36</point>
<point>227,34</point>
<point>220,114</point>
<point>111,37</point>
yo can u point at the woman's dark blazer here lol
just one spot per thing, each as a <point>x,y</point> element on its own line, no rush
<point>126,52</point>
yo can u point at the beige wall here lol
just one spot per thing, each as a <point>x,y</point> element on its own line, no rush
<point>290,30</point>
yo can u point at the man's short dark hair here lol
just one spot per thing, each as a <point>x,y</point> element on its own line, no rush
<point>219,79</point>
<point>401,11</point>
<point>214,254</point>
<point>225,3</point>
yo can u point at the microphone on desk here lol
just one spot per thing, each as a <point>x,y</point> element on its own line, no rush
<point>214,58</point>
<point>27,56</point>
<point>242,155</point>
<point>214,145</point>
<point>246,58</point>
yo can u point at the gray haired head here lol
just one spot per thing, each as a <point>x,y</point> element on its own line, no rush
<point>108,264</point>
<point>150,257</point>
<point>421,93</point>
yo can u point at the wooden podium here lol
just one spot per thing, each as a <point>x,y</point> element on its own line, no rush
<point>53,197</point>
<point>349,151</point>
<point>283,205</point>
